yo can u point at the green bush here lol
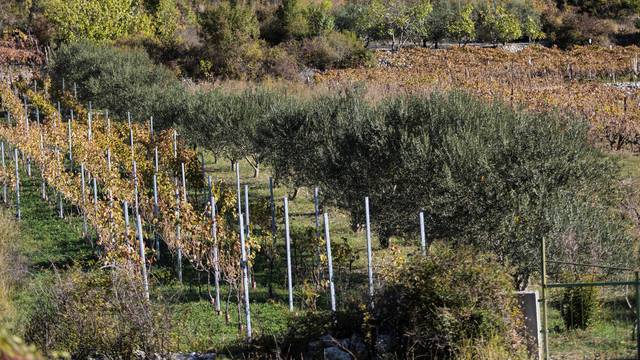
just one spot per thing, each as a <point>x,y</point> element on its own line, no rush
<point>334,50</point>
<point>579,307</point>
<point>436,306</point>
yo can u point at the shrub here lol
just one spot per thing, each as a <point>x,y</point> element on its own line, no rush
<point>450,301</point>
<point>231,31</point>
<point>578,307</point>
<point>100,312</point>
<point>335,50</point>
<point>96,20</point>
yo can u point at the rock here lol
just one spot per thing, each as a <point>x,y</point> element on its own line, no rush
<point>207,356</point>
<point>315,346</point>
<point>139,354</point>
<point>328,340</point>
<point>383,344</point>
<point>334,353</point>
<point>358,346</point>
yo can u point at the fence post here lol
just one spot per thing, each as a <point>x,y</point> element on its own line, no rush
<point>327,238</point>
<point>288,247</point>
<point>178,234</point>
<point>369,252</point>
<point>245,278</point>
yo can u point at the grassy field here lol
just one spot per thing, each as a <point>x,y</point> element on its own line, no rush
<point>46,242</point>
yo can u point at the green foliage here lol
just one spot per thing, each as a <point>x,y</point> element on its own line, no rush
<point>320,19</point>
<point>462,27</point>
<point>366,20</point>
<point>166,20</point>
<point>607,9</point>
<point>103,74</point>
<point>499,25</point>
<point>334,50</point>
<point>290,21</point>
<point>484,174</point>
<point>231,32</point>
<point>579,307</point>
<point>99,20</point>
<point>435,306</point>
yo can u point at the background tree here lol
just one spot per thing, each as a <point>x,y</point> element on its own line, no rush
<point>99,20</point>
<point>462,28</point>
<point>232,31</point>
<point>498,25</point>
<point>480,172</point>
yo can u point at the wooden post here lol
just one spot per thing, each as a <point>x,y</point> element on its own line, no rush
<point>327,239</point>
<point>369,250</point>
<point>288,248</point>
<point>18,213</point>
<point>245,278</point>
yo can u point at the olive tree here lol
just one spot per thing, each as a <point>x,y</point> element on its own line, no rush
<point>484,175</point>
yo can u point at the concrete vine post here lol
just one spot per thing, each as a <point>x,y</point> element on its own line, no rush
<point>214,237</point>
<point>369,250</point>
<point>143,261</point>
<point>130,135</point>
<point>327,239</point>
<point>70,139</point>
<point>184,182</point>
<point>18,213</point>
<point>178,234</point>
<point>423,238</point>
<point>287,236</point>
<point>245,278</point>
<point>85,230</point>
<point>4,172</point>
<point>248,232</point>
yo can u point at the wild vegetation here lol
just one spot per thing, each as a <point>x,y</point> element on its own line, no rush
<point>126,140</point>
